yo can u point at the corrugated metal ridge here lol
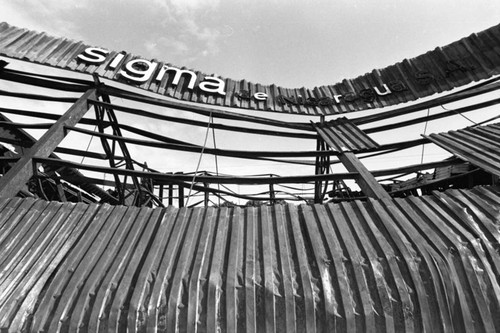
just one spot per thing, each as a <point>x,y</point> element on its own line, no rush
<point>473,58</point>
<point>478,145</point>
<point>342,135</point>
<point>417,264</point>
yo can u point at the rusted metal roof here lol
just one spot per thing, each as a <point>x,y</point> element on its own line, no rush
<point>478,145</point>
<point>470,59</point>
<point>417,264</point>
<point>342,135</point>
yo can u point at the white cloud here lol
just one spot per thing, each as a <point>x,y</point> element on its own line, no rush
<point>44,16</point>
<point>188,29</point>
<point>188,6</point>
<point>174,46</point>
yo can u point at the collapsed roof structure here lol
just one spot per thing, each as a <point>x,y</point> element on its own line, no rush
<point>408,249</point>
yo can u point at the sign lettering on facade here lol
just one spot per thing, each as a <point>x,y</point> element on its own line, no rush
<point>436,71</point>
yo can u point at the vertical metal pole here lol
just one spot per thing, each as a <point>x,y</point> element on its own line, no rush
<point>170,194</point>
<point>272,197</point>
<point>181,196</point>
<point>160,193</point>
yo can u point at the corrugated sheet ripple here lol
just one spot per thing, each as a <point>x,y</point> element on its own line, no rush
<point>405,265</point>
<point>342,135</point>
<point>478,145</point>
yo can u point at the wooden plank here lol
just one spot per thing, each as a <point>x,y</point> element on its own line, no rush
<point>366,180</point>
<point>14,180</point>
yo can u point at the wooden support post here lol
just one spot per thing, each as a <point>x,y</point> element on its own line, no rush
<point>16,178</point>
<point>160,193</point>
<point>170,194</point>
<point>272,195</point>
<point>366,181</point>
<point>180,193</point>
<point>60,190</point>
<point>207,195</point>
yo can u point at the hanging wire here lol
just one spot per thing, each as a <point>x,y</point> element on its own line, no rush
<point>88,146</point>
<point>199,160</point>
<point>472,121</point>
<point>485,121</point>
<point>215,156</point>
<point>425,130</point>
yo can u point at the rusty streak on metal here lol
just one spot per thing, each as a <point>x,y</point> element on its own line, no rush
<point>22,171</point>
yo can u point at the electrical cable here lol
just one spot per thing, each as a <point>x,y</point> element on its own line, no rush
<point>215,157</point>
<point>199,160</point>
<point>459,114</point>
<point>425,131</point>
<point>88,146</point>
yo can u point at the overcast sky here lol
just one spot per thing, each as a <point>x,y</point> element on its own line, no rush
<point>289,43</point>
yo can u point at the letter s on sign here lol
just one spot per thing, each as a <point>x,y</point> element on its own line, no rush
<point>93,55</point>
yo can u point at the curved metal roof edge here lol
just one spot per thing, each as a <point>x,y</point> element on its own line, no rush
<point>472,58</point>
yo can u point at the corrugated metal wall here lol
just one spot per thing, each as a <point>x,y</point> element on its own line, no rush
<point>405,265</point>
<point>470,59</point>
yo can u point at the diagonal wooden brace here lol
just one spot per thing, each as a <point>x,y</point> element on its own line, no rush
<point>366,180</point>
<point>22,171</point>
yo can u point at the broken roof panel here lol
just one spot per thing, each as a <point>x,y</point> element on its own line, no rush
<point>478,145</point>
<point>342,135</point>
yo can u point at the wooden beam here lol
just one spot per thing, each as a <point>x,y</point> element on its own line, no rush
<point>366,180</point>
<point>206,200</point>
<point>16,178</point>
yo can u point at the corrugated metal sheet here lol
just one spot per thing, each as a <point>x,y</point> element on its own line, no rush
<point>478,145</point>
<point>406,265</point>
<point>342,135</point>
<point>470,59</point>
